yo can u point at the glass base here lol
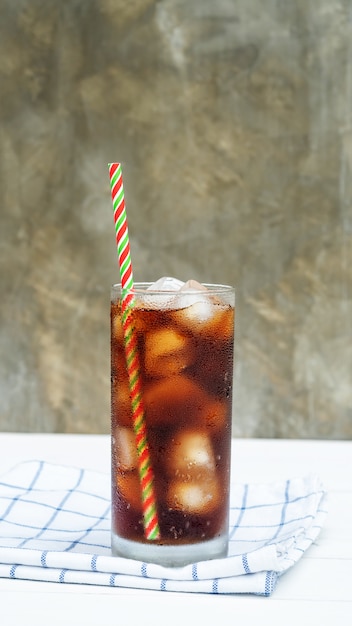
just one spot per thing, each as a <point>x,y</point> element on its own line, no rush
<point>170,556</point>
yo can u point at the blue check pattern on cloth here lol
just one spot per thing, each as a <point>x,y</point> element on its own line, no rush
<point>55,526</point>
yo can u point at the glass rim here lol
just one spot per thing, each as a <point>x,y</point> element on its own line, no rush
<point>143,287</point>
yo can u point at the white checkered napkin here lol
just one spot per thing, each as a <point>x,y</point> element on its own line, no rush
<point>287,516</point>
<point>43,506</point>
<point>55,526</point>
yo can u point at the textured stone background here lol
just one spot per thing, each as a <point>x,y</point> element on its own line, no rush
<point>233,121</point>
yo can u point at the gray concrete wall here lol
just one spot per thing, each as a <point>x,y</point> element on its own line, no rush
<point>233,121</point>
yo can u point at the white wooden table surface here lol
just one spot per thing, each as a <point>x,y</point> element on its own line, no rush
<point>317,590</point>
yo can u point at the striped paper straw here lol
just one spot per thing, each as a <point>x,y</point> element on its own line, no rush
<point>146,476</point>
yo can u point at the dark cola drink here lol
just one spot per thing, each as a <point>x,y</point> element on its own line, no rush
<point>185,348</point>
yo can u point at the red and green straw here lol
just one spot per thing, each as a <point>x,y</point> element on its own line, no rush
<point>146,476</point>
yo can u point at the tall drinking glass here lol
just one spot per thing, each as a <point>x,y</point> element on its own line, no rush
<point>185,347</point>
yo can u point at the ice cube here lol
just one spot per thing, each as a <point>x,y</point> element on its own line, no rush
<point>193,285</point>
<point>196,302</point>
<point>199,311</point>
<point>166,283</point>
<point>207,318</point>
<point>190,455</point>
<point>129,488</point>
<point>172,401</point>
<point>124,446</point>
<point>193,293</point>
<point>162,293</point>
<point>167,352</point>
<point>196,497</point>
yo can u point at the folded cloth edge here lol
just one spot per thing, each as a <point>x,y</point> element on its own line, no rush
<point>226,567</point>
<point>260,583</point>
